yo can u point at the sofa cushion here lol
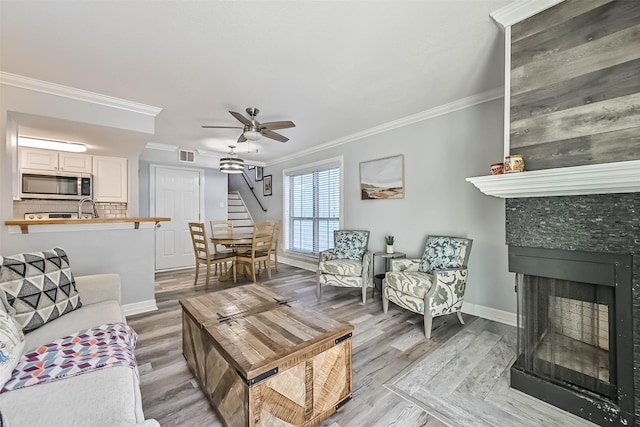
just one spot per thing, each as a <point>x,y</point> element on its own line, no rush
<point>442,253</point>
<point>11,345</point>
<point>412,283</point>
<point>342,267</point>
<point>350,244</point>
<point>82,318</point>
<point>38,287</point>
<point>107,397</point>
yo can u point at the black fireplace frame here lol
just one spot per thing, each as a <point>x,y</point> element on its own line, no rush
<point>613,270</point>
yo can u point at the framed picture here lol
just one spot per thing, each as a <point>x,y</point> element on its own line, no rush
<point>259,173</point>
<point>251,167</point>
<point>266,186</point>
<point>382,178</point>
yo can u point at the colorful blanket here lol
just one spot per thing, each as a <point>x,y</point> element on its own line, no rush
<point>103,346</point>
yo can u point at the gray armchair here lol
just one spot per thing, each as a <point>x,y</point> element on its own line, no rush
<point>431,286</point>
<point>348,264</point>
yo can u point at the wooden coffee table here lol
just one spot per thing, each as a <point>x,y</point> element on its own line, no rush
<point>262,360</point>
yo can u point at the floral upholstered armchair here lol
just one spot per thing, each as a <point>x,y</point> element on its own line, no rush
<point>348,264</point>
<point>433,285</point>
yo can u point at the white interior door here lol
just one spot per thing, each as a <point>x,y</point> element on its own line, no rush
<point>178,196</point>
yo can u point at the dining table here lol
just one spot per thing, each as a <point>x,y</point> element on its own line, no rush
<point>234,240</point>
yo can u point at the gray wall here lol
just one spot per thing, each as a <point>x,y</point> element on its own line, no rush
<point>439,154</point>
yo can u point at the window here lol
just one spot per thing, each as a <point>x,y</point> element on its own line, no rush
<point>312,207</point>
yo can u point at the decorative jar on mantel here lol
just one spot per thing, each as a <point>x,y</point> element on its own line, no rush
<point>513,163</point>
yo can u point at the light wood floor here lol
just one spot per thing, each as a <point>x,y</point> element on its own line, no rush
<point>385,347</point>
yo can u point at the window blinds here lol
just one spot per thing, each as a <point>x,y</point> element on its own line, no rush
<point>313,209</point>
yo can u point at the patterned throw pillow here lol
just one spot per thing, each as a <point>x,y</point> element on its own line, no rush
<point>38,287</point>
<point>11,345</point>
<point>443,252</point>
<point>350,244</point>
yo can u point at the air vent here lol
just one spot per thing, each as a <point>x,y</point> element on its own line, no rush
<point>187,156</point>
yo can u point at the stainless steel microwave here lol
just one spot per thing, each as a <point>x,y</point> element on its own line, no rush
<point>35,184</point>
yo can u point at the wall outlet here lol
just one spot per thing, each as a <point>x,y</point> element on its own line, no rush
<point>222,204</point>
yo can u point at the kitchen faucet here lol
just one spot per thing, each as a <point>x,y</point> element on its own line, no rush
<point>90,200</point>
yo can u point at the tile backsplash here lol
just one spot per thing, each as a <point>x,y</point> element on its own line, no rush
<point>105,210</point>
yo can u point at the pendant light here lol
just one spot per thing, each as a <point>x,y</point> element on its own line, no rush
<point>231,164</point>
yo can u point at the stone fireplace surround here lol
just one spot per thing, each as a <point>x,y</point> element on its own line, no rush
<point>608,223</point>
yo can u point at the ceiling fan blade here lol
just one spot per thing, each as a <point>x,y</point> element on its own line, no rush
<point>278,125</point>
<point>273,135</point>
<point>222,127</point>
<point>242,119</point>
<point>242,138</point>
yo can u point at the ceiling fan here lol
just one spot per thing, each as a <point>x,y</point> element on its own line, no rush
<point>252,129</point>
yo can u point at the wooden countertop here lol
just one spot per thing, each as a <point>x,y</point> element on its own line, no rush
<point>25,223</point>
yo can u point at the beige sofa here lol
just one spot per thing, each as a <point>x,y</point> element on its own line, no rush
<point>106,397</point>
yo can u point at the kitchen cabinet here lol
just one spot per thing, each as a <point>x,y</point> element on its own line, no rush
<point>110,179</point>
<point>49,160</point>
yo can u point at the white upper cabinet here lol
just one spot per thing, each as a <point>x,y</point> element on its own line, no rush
<point>49,160</point>
<point>110,179</point>
<point>73,162</point>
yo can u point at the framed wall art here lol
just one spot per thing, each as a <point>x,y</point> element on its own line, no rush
<point>267,188</point>
<point>382,178</point>
<point>259,173</point>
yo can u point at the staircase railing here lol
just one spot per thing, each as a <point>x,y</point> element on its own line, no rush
<point>244,176</point>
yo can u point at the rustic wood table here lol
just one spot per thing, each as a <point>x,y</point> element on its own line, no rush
<point>232,240</point>
<point>262,360</point>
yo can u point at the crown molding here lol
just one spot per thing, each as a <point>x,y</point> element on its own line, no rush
<point>161,147</point>
<point>441,110</point>
<point>520,10</point>
<point>602,178</point>
<point>77,94</point>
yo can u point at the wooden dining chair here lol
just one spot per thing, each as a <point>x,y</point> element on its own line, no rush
<point>221,226</point>
<point>260,248</point>
<point>202,253</point>
<point>277,224</point>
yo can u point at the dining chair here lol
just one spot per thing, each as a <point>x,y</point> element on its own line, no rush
<point>202,253</point>
<point>260,248</point>
<point>221,226</point>
<point>277,225</point>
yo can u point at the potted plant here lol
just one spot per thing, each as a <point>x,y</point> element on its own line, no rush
<point>389,241</point>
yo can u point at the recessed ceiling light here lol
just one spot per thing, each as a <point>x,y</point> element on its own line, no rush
<point>48,144</point>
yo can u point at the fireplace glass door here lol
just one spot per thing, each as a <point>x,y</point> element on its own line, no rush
<point>566,333</point>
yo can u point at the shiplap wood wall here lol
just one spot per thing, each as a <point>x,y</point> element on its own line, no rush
<point>575,84</point>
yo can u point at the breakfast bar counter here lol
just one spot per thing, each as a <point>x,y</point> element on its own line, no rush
<point>25,223</point>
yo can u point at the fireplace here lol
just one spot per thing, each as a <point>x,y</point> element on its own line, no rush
<point>575,345</point>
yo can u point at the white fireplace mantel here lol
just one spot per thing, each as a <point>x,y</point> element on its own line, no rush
<point>618,177</point>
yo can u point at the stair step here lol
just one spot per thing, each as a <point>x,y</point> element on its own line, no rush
<point>234,202</point>
<point>233,196</point>
<point>242,223</point>
<point>239,215</point>
<point>235,209</point>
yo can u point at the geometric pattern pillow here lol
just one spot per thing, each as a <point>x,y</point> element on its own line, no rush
<point>38,287</point>
<point>350,244</point>
<point>442,253</point>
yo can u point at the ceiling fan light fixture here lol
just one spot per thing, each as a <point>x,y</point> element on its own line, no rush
<point>231,165</point>
<point>252,134</point>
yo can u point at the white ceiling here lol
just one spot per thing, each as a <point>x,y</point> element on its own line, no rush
<point>335,68</point>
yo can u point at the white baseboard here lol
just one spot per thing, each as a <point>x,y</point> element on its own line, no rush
<point>139,307</point>
<point>489,313</point>
<point>297,263</point>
